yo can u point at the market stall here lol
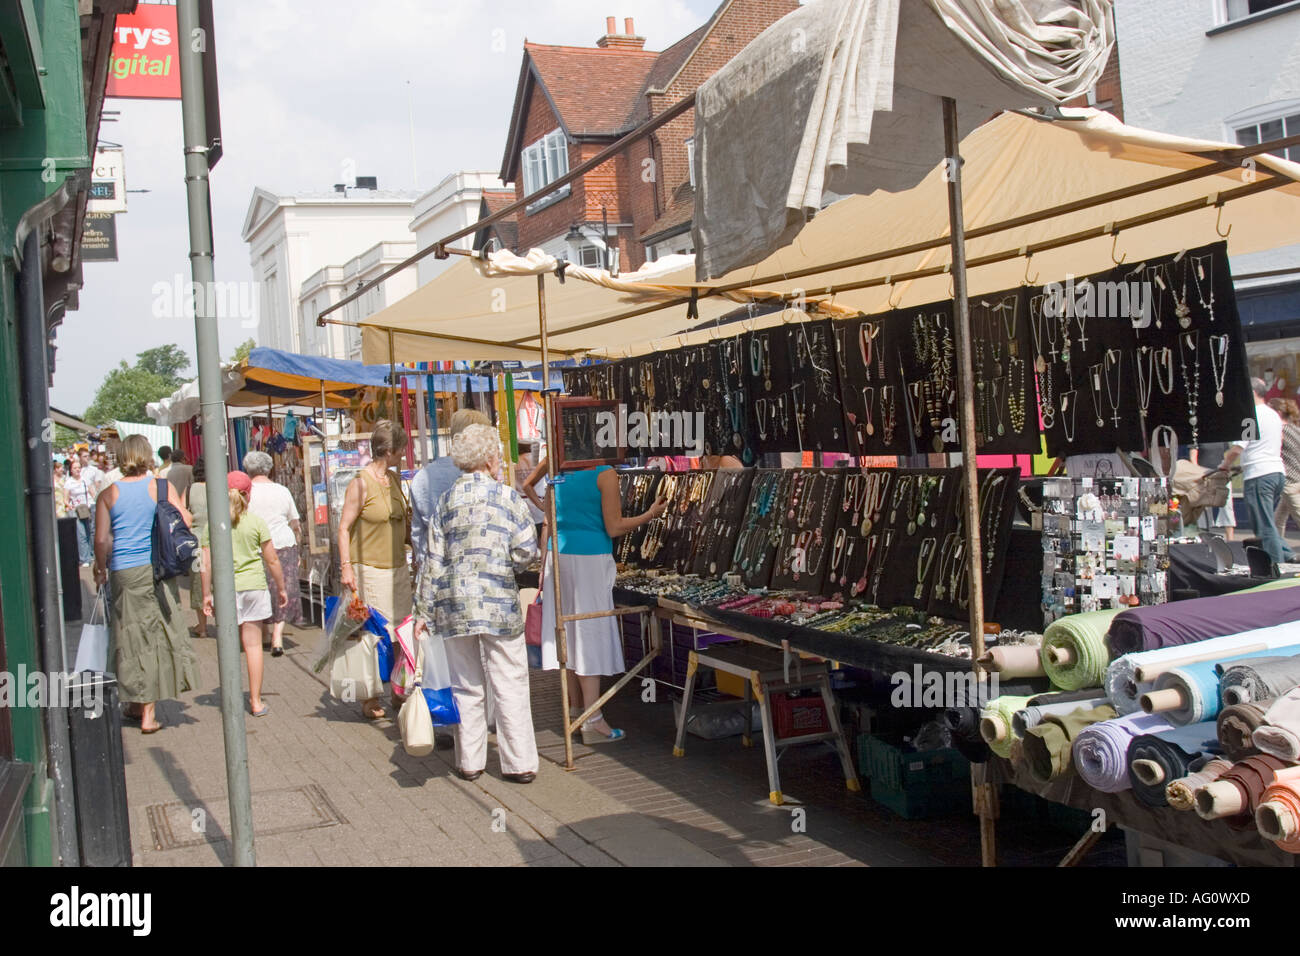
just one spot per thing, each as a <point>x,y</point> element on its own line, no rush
<point>934,333</point>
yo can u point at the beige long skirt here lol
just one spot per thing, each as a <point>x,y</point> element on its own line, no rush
<point>153,655</point>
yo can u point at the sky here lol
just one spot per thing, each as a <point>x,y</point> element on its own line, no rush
<point>309,90</point>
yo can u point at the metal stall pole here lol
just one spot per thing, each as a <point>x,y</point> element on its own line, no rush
<point>392,382</point>
<point>553,436</point>
<point>984,794</point>
<point>329,505</point>
<point>193,113</point>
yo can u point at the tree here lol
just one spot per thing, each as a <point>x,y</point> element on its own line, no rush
<point>242,350</point>
<point>125,391</point>
<point>165,361</point>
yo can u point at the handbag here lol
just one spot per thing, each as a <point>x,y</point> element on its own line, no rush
<point>416,725</point>
<point>533,613</point>
<point>354,674</point>
<point>92,650</point>
<point>83,512</point>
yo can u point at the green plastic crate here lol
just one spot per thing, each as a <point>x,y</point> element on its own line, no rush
<point>915,785</point>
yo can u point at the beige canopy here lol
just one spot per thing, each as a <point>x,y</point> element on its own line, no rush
<point>1015,166</point>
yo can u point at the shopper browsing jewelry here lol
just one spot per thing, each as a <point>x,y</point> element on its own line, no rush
<point>588,515</point>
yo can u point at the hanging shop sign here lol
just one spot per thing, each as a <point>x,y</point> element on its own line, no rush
<point>107,182</point>
<point>99,238</point>
<point>144,63</point>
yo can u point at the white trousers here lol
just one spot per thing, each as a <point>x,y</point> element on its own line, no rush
<point>500,663</point>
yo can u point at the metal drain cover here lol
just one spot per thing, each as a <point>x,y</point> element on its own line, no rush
<point>176,825</point>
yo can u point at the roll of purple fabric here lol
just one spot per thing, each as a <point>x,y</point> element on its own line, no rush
<point>1186,622</point>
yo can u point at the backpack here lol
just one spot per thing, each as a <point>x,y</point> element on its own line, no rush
<point>174,544</point>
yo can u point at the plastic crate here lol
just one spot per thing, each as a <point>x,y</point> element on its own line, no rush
<point>915,784</point>
<point>795,716</point>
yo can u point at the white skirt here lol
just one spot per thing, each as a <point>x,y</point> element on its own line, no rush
<point>252,607</point>
<point>595,645</point>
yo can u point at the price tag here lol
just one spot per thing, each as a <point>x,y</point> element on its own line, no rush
<point>1148,528</point>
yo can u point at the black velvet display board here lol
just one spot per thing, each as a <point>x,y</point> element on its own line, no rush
<point>723,512</point>
<point>1163,335</point>
<point>809,513</point>
<point>920,508</point>
<point>871,385</point>
<point>864,500</point>
<point>637,489</point>
<point>759,534</point>
<point>949,587</point>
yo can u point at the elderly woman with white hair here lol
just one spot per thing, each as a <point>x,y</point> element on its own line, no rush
<point>466,596</point>
<point>274,504</point>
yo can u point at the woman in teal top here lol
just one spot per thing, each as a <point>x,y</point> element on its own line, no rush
<point>589,515</point>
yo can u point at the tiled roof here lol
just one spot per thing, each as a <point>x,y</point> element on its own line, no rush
<point>507,230</point>
<point>593,90</point>
<point>680,212</point>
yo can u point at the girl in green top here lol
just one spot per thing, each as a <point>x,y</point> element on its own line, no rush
<point>251,542</point>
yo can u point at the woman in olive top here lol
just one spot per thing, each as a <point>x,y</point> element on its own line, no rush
<point>374,531</point>
<point>251,544</point>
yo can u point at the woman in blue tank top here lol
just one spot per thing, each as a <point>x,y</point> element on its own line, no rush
<point>154,660</point>
<point>589,516</point>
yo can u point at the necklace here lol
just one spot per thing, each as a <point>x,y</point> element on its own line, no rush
<point>760,359</point>
<point>915,405</point>
<point>927,486</point>
<point>1010,305</point>
<point>878,491</point>
<point>1191,377</point>
<point>995,420</point>
<point>736,408</point>
<point>868,399</point>
<point>1114,357</point>
<point>838,551</point>
<point>1164,359</point>
<point>1156,276</point>
<point>1198,276</point>
<point>1041,328</point>
<point>905,487</point>
<point>1016,393</point>
<point>886,546</point>
<point>989,528</point>
<point>945,565</point>
<point>1067,404</point>
<point>1219,365</point>
<point>924,558</point>
<point>1145,383</point>
<point>1094,376</point>
<point>761,408</point>
<point>888,412</point>
<point>1181,308</point>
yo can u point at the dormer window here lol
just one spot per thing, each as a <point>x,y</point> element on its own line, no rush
<point>544,162</point>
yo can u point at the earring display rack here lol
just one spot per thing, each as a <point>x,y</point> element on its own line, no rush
<point>1105,543</point>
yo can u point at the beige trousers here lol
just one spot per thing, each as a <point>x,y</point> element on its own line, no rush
<point>1288,505</point>
<point>480,663</point>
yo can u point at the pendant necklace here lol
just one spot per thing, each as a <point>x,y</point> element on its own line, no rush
<point>995,421</point>
<point>1190,341</point>
<point>1164,361</point>
<point>915,405</point>
<point>868,400</point>
<point>925,557</point>
<point>1114,357</point>
<point>945,565</point>
<point>888,412</point>
<point>1199,275</point>
<point>1010,305</point>
<point>1067,404</point>
<point>904,487</point>
<point>1219,365</point>
<point>760,415</point>
<point>838,553</point>
<point>1094,377</point>
<point>867,333</point>
<point>1181,308</point>
<point>1156,276</point>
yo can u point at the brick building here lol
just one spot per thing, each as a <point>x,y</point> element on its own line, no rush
<point>572,102</point>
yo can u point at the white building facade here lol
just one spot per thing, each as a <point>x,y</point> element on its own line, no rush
<point>327,286</point>
<point>1226,70</point>
<point>294,238</point>
<point>448,207</point>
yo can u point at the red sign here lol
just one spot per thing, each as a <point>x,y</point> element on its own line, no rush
<point>144,63</point>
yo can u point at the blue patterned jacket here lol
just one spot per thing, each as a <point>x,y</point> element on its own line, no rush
<point>480,534</point>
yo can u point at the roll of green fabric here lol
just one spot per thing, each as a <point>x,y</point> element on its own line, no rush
<point>995,722</point>
<point>1046,749</point>
<point>1074,651</point>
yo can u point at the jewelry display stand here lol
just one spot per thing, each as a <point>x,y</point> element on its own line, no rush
<point>1105,544</point>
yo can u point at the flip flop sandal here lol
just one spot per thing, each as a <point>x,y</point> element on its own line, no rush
<point>266,709</point>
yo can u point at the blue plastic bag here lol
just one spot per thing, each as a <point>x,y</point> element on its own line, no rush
<point>377,624</point>
<point>442,706</point>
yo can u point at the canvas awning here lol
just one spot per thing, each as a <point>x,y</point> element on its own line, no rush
<point>1014,167</point>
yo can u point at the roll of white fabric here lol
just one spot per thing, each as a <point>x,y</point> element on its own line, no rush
<point>1124,689</point>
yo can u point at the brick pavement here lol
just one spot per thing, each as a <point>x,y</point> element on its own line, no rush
<point>330,788</point>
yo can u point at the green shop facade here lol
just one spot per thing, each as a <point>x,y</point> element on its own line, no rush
<point>55,57</point>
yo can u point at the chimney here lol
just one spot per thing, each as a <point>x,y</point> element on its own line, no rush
<point>617,41</point>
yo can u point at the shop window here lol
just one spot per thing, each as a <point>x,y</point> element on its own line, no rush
<point>1270,129</point>
<point>1238,9</point>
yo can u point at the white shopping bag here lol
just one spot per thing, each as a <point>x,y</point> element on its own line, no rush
<point>354,674</point>
<point>92,651</point>
<point>416,724</point>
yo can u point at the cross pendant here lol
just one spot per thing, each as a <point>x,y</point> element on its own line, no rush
<point>1054,353</point>
<point>1083,341</point>
<point>1115,419</point>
